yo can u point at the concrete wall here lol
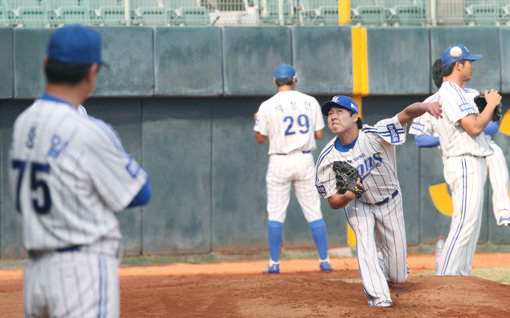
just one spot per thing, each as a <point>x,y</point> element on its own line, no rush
<point>182,100</point>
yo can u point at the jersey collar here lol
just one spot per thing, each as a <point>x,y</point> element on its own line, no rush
<point>52,98</point>
<point>346,148</point>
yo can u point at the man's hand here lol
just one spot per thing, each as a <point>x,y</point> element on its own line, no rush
<point>492,97</point>
<point>435,109</point>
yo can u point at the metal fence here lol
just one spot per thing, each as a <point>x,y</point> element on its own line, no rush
<point>53,13</point>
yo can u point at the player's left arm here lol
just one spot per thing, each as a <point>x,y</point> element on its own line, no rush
<point>338,200</point>
<point>417,109</point>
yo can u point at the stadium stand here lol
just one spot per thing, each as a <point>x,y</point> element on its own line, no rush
<point>318,12</point>
<point>367,12</point>
<point>405,12</point>
<point>188,12</point>
<point>483,12</point>
<point>150,12</point>
<point>63,12</point>
<point>270,12</point>
<point>108,12</point>
<point>28,13</point>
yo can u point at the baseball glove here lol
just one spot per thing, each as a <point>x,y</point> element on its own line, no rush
<point>346,176</point>
<point>481,103</point>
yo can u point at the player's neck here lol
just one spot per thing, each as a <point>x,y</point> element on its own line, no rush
<point>455,79</point>
<point>286,88</point>
<point>347,137</point>
<point>70,94</point>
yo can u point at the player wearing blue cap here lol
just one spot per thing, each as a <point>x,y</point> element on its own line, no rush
<point>464,147</point>
<point>377,214</point>
<point>496,163</point>
<point>69,175</point>
<point>292,121</point>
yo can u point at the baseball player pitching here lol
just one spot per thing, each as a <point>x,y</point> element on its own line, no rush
<point>292,121</point>
<point>69,174</point>
<point>465,149</point>
<point>425,136</point>
<point>375,213</point>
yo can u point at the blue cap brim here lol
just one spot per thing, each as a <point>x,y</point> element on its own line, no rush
<point>473,57</point>
<point>326,107</point>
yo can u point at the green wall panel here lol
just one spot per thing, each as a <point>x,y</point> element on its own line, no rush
<point>398,61</point>
<point>125,117</point>
<point>188,61</point>
<point>250,57</point>
<point>6,63</point>
<point>239,171</point>
<point>10,231</point>
<point>29,49</point>
<point>176,153</point>
<point>504,51</point>
<point>480,40</point>
<point>323,59</point>
<point>129,53</point>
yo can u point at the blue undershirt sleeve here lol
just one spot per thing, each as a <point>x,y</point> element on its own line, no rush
<point>143,195</point>
<point>492,128</point>
<point>426,141</point>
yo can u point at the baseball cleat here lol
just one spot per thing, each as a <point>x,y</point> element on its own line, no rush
<point>384,303</point>
<point>272,269</point>
<point>504,221</point>
<point>325,267</point>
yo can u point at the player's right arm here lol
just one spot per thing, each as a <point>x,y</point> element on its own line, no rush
<point>474,124</point>
<point>319,134</point>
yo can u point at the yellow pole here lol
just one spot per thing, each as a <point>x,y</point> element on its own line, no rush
<point>344,12</point>
<point>360,85</point>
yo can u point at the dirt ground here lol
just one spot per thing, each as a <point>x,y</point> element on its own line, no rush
<point>240,290</point>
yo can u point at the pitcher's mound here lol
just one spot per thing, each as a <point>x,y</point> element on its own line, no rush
<point>308,294</point>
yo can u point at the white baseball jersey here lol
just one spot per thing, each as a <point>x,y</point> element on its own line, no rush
<point>465,173</point>
<point>378,214</point>
<point>454,140</point>
<point>289,119</point>
<point>496,163</point>
<point>373,155</point>
<point>69,174</point>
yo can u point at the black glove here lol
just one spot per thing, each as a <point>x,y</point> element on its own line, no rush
<point>481,103</point>
<point>346,177</point>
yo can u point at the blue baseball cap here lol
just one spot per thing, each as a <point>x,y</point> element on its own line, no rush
<point>456,53</point>
<point>75,44</point>
<point>339,101</point>
<point>285,71</point>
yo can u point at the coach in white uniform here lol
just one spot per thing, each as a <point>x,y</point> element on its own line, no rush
<point>465,148</point>
<point>378,213</point>
<point>292,121</point>
<point>425,136</point>
<point>69,174</point>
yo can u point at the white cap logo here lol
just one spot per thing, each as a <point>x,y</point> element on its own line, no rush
<point>335,99</point>
<point>455,52</point>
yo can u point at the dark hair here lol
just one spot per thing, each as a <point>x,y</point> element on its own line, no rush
<point>359,122</point>
<point>437,73</point>
<point>448,69</point>
<point>283,81</point>
<point>64,73</point>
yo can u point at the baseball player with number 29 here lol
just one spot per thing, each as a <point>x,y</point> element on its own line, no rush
<point>292,121</point>
<point>376,212</point>
<point>69,174</point>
